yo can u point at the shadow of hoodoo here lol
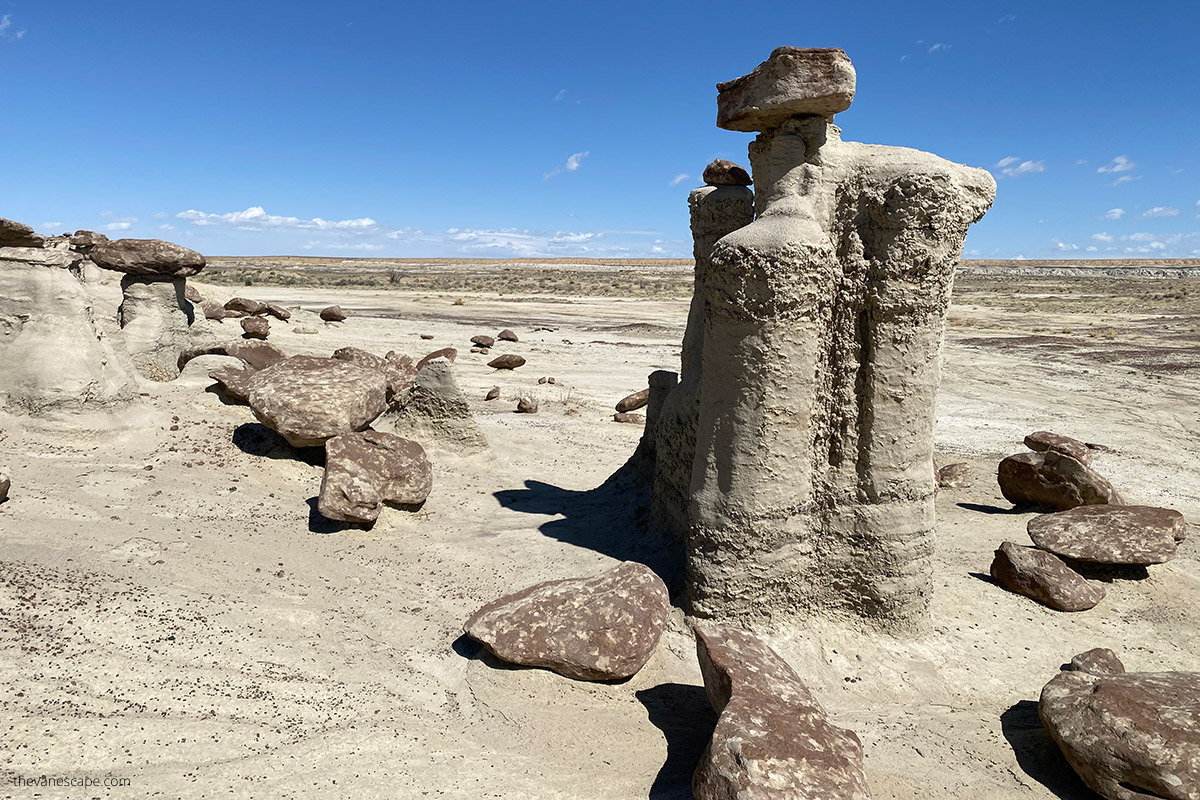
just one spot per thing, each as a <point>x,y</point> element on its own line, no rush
<point>687,720</point>
<point>1037,754</point>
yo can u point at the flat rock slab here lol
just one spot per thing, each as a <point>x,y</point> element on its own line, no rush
<point>364,471</point>
<point>1041,441</point>
<point>1137,535</point>
<point>18,234</point>
<point>309,400</point>
<point>1052,479</point>
<point>1131,736</point>
<point>773,739</point>
<point>233,382</point>
<point>791,82</point>
<point>1044,577</point>
<point>590,629</point>
<point>147,257</point>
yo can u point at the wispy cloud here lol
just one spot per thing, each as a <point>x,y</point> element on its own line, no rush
<point>1063,246</point>
<point>561,94</point>
<point>1160,211</point>
<point>1102,237</point>
<point>255,218</point>
<point>1114,213</point>
<point>6,29</point>
<point>365,246</point>
<point>1118,164</point>
<point>940,46</point>
<point>678,179</point>
<point>50,226</point>
<point>1126,179</point>
<point>574,162</point>
<point>1012,166</point>
<point>123,224</point>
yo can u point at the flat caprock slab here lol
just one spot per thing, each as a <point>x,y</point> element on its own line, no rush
<point>792,81</point>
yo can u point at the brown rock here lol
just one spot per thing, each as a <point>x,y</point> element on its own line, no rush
<point>333,314</point>
<point>632,419</point>
<point>214,310</point>
<point>255,327</point>
<point>1052,479</point>
<point>527,405</point>
<point>1043,577</point>
<point>1131,736</point>
<point>492,393</point>
<point>147,257</point>
<point>277,311</point>
<point>448,353</point>
<point>192,294</point>
<point>954,476</point>
<point>726,173</point>
<point>363,471</point>
<point>426,335</point>
<point>791,82</point>
<point>1110,534</point>
<point>506,361</point>
<point>1098,661</point>
<point>1041,441</point>
<point>506,336</point>
<point>84,241</point>
<point>634,401</point>
<point>233,382</point>
<point>18,234</point>
<point>541,380</point>
<point>397,370</point>
<point>550,380</point>
<point>243,306</point>
<point>590,629</point>
<point>483,341</point>
<point>773,739</point>
<point>310,400</point>
<point>255,354</point>
<point>482,350</point>
<point>5,485</point>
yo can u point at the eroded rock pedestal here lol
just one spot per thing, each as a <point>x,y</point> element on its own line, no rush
<point>820,325</point>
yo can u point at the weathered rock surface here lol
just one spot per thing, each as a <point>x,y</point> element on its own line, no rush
<point>434,408</point>
<point>244,306</point>
<point>448,353</point>
<point>1052,479</point>
<point>364,471</point>
<point>634,401</point>
<point>506,336</point>
<point>954,476</point>
<point>84,241</point>
<point>233,382</point>
<point>483,341</point>
<point>333,314</point>
<point>1098,661</point>
<point>528,404</point>
<point>5,485</point>
<point>253,353</point>
<point>1044,577</point>
<point>149,257</point>
<point>726,173</point>
<point>192,294</point>
<point>397,370</point>
<point>156,319</point>
<point>309,400</point>
<point>1104,534</point>
<point>214,310</point>
<point>602,628</point>
<point>773,739</point>
<point>256,327</point>
<point>631,419</point>
<point>18,234</point>
<point>1042,441</point>
<point>506,361</point>
<point>793,81</point>
<point>1130,736</point>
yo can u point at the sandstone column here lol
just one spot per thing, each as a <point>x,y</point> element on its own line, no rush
<point>812,485</point>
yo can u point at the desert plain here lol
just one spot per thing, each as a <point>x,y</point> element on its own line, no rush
<point>176,613</point>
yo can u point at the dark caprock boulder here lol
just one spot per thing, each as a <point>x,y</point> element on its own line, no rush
<point>364,471</point>
<point>1052,479</point>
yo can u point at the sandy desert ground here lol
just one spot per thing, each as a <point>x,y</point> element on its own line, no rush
<point>175,613</point>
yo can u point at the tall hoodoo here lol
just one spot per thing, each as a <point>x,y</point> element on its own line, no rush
<point>820,331</point>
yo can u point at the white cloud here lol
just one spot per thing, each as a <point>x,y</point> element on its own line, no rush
<point>1126,179</point>
<point>343,246</point>
<point>1007,168</point>
<point>1160,211</point>
<point>166,227</point>
<point>1065,246</point>
<point>940,46</point>
<point>405,234</point>
<point>561,94</point>
<point>255,218</point>
<point>573,163</point>
<point>117,226</point>
<point>50,226</point>
<point>6,31</point>
<point>678,179</point>
<point>1102,237</point>
<point>1118,164</point>
<point>1091,248</point>
<point>1114,213</point>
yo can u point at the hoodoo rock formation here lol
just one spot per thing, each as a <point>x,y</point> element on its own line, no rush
<point>811,360</point>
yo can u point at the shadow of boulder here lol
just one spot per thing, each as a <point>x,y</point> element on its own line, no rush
<point>1037,754</point>
<point>687,720</point>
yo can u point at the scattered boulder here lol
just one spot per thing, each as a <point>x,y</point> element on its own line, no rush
<point>434,408</point>
<point>773,739</point>
<point>241,306</point>
<point>492,393</point>
<point>506,336</point>
<point>1052,479</point>
<point>214,310</point>
<point>1044,577</point>
<point>1041,441</point>
<point>333,314</point>
<point>792,82</point>
<point>448,353</point>
<point>363,471</point>
<point>148,257</point>
<point>541,381</point>
<point>18,234</point>
<point>590,629</point>
<point>954,476</point>
<point>84,241</point>
<point>426,335</point>
<point>1137,535</point>
<point>192,294</point>
<point>1130,735</point>
<point>527,405</point>
<point>550,381</point>
<point>1098,661</point>
<point>506,361</point>
<point>5,485</point>
<point>309,400</point>
<point>632,419</point>
<point>277,311</point>
<point>483,341</point>
<point>726,173</point>
<point>634,401</point>
<point>255,327</point>
<point>482,350</point>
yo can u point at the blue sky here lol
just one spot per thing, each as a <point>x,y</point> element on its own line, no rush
<point>567,129</point>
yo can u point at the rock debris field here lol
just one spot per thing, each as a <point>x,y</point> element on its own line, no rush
<point>312,542</point>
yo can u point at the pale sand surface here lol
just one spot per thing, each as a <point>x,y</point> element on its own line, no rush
<point>169,616</point>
